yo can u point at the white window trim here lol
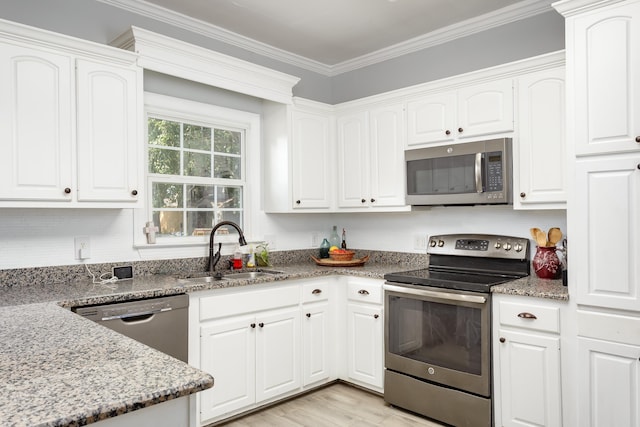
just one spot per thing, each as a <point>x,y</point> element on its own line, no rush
<point>185,110</point>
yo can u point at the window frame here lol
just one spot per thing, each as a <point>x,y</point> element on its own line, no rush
<point>192,112</point>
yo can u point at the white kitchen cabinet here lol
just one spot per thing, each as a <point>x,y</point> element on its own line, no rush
<point>527,362</point>
<point>539,153</point>
<point>365,339</point>
<point>609,206</point>
<point>298,155</point>
<point>470,111</point>
<point>250,343</point>
<point>318,338</point>
<point>70,128</point>
<point>605,60</point>
<point>371,158</point>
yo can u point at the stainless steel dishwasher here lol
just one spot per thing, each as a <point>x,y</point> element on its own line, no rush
<point>161,323</point>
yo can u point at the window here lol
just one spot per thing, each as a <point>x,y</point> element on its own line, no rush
<point>195,167</point>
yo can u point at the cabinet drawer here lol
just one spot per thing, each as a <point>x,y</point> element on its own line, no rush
<point>312,292</point>
<point>530,316</point>
<point>224,305</point>
<point>365,291</point>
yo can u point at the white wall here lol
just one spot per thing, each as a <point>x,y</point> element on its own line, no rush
<point>45,237</point>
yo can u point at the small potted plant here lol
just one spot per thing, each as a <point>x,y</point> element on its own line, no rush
<point>262,255</point>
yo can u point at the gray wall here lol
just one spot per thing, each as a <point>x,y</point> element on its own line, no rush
<point>98,22</point>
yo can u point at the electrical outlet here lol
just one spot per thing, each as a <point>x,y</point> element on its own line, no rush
<point>82,247</point>
<point>420,242</point>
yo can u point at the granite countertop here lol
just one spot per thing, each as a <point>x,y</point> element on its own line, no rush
<point>59,369</point>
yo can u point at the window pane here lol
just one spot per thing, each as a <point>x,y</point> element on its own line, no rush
<point>169,223</point>
<point>226,141</point>
<point>229,197</point>
<point>197,137</point>
<point>233,216</point>
<point>197,164</point>
<point>166,195</point>
<point>164,132</point>
<point>200,197</point>
<point>199,223</point>
<point>162,161</point>
<point>227,167</point>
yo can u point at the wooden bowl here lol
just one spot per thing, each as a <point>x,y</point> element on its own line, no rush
<point>342,256</point>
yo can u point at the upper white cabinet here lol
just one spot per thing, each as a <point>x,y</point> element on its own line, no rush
<point>470,111</point>
<point>371,158</point>
<point>605,61</point>
<point>70,123</point>
<point>539,153</point>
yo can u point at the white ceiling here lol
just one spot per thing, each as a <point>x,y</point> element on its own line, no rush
<point>333,33</point>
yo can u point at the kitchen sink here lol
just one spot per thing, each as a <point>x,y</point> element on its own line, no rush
<point>205,277</point>
<point>251,274</point>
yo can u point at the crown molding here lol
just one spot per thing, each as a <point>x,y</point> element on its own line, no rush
<point>516,12</point>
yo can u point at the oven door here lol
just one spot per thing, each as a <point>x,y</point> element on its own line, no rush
<point>439,335</point>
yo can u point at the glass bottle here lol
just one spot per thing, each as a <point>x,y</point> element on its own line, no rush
<point>334,239</point>
<point>324,249</point>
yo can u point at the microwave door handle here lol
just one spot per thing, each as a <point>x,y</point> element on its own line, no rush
<point>479,172</point>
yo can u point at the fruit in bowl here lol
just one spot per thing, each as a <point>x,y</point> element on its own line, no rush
<point>341,254</point>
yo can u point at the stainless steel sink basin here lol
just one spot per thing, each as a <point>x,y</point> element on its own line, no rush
<point>195,279</point>
<point>200,280</point>
<point>251,274</point>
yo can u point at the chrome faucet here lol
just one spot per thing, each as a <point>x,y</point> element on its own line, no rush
<point>213,259</point>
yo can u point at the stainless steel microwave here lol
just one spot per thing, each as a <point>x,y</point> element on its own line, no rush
<point>471,173</point>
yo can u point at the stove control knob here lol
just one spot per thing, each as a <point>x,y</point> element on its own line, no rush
<point>518,247</point>
<point>498,245</point>
<point>432,243</point>
<point>440,243</point>
<point>507,246</point>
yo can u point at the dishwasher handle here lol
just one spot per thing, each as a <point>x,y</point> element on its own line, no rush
<point>136,316</point>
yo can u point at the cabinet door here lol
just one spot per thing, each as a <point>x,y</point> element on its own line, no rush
<point>608,240</point>
<point>606,66</point>
<point>540,152</point>
<point>36,125</point>
<point>485,108</point>
<point>608,384</point>
<point>353,162</point>
<point>365,344</point>
<point>227,352</point>
<point>277,353</point>
<point>108,137</point>
<point>316,341</point>
<point>431,119</point>
<point>311,180</point>
<point>530,379</point>
<point>386,154</point>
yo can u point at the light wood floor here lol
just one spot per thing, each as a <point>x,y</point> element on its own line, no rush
<point>336,405</point>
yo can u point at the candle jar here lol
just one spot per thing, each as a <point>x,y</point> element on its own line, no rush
<point>546,263</point>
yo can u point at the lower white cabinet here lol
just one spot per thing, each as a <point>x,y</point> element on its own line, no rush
<point>527,377</point>
<point>318,338</point>
<point>365,328</point>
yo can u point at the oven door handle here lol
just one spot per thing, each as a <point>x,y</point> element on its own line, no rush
<point>476,299</point>
<point>478,174</point>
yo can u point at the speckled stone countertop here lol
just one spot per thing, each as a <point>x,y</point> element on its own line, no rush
<point>59,369</point>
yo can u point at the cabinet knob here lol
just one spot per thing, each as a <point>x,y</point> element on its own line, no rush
<point>526,315</point>
<point>134,192</point>
<point>253,325</point>
<point>523,194</point>
<point>364,200</point>
<point>502,339</point>
<point>363,292</point>
<point>261,324</point>
<point>316,291</point>
<point>375,316</point>
<point>373,200</point>
<point>297,202</point>
<point>638,166</point>
<point>447,132</point>
<point>637,138</point>
<point>460,130</point>
<point>308,314</point>
<point>67,190</point>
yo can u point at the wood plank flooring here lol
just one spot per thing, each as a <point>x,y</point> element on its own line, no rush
<point>336,405</point>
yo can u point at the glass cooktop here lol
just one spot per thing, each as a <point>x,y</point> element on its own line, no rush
<point>464,281</point>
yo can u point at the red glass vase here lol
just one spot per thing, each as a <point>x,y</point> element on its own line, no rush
<point>546,263</point>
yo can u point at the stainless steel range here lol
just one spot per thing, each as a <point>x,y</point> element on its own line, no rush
<point>438,327</point>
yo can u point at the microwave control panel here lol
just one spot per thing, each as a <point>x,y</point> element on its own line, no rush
<point>494,171</point>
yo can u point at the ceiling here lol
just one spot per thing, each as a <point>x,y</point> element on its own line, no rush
<point>330,33</point>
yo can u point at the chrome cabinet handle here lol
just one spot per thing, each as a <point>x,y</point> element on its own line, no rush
<point>363,292</point>
<point>525,315</point>
<point>316,291</point>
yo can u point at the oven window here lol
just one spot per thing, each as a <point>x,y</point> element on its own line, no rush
<point>439,334</point>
